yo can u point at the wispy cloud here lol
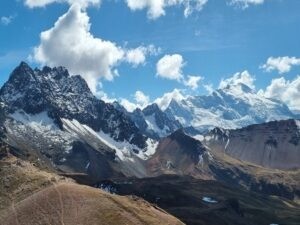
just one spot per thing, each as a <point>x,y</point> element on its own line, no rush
<point>6,20</point>
<point>245,3</point>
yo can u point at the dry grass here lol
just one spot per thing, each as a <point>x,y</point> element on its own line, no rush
<point>29,196</point>
<point>69,203</point>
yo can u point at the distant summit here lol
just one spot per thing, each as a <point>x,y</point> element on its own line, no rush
<point>233,106</point>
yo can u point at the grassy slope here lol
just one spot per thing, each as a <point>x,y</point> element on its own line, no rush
<point>30,196</point>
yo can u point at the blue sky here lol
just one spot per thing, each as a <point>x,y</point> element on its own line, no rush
<point>215,42</point>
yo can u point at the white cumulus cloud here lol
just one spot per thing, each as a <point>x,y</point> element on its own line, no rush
<point>170,67</point>
<point>141,101</point>
<point>285,91</point>
<point>156,8</point>
<point>69,43</point>
<point>138,55</point>
<point>281,64</point>
<point>241,77</point>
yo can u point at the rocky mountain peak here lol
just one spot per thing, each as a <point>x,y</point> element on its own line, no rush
<point>218,132</point>
<point>60,95</point>
<point>23,68</point>
<point>151,109</point>
<point>56,72</point>
<point>185,140</point>
<point>21,76</point>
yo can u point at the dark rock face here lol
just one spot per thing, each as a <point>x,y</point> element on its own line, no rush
<point>265,185</point>
<point>139,118</point>
<point>63,96</point>
<point>193,147</point>
<point>2,119</point>
<point>273,145</point>
<point>153,122</point>
<point>161,118</point>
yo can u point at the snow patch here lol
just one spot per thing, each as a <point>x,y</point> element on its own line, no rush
<point>87,165</point>
<point>124,150</point>
<point>199,137</point>
<point>227,143</point>
<point>180,119</point>
<point>107,188</point>
<point>151,122</point>
<point>37,131</point>
<point>297,124</point>
<point>209,200</point>
<point>206,155</point>
<point>150,149</point>
<point>169,165</point>
<point>35,121</point>
<point>201,161</point>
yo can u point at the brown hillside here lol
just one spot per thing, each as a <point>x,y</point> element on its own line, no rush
<point>69,204</point>
<point>29,196</point>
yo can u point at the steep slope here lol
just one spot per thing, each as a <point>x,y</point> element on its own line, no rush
<point>54,92</point>
<point>274,144</point>
<point>178,154</point>
<point>183,155</point>
<point>152,121</point>
<point>234,106</point>
<point>54,120</point>
<point>30,196</point>
<point>2,120</point>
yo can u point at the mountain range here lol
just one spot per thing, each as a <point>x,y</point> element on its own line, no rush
<point>233,137</point>
<point>234,106</point>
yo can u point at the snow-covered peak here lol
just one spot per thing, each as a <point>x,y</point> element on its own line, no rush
<point>239,88</point>
<point>232,106</point>
<point>60,95</point>
<point>166,99</point>
<point>153,122</point>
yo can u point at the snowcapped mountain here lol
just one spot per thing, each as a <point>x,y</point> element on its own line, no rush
<point>54,121</point>
<point>152,121</point>
<point>234,106</point>
<point>54,118</point>
<point>59,95</point>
